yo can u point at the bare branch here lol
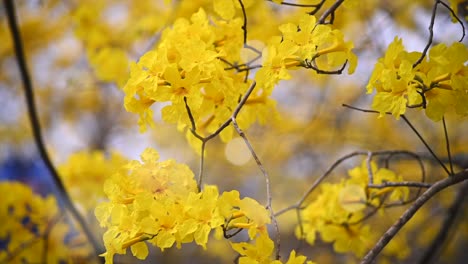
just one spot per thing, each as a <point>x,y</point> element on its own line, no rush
<point>400,184</point>
<point>297,5</point>
<point>448,223</point>
<point>189,112</point>
<point>457,18</point>
<point>244,26</point>
<point>408,214</point>
<point>312,65</point>
<point>412,128</point>
<point>447,145</point>
<point>330,12</point>
<point>431,34</point>
<point>36,127</point>
<point>267,182</point>
<point>425,143</point>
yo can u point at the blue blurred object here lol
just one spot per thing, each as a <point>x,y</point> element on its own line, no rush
<point>30,171</point>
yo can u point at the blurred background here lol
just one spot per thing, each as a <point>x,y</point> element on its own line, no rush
<point>79,54</point>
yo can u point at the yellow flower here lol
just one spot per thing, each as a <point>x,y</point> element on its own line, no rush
<point>347,238</point>
<point>432,84</point>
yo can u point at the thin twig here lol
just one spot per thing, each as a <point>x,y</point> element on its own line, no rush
<point>36,127</point>
<point>412,128</point>
<point>369,167</point>
<point>296,5</point>
<point>267,183</point>
<point>202,165</point>
<point>431,34</point>
<point>363,110</point>
<point>189,112</point>
<point>287,209</point>
<point>425,143</point>
<point>244,26</point>
<point>204,140</point>
<point>456,17</point>
<point>408,214</point>
<point>328,172</point>
<point>259,164</point>
<point>400,184</point>
<point>421,166</point>
<point>312,65</point>
<point>447,144</point>
<point>299,205</point>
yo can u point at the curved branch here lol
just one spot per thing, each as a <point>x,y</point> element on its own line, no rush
<point>36,127</point>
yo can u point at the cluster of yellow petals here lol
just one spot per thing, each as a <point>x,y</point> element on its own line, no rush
<point>187,68</point>
<point>301,45</point>
<point>337,212</point>
<point>34,222</point>
<point>159,202</point>
<point>84,174</point>
<point>261,250</point>
<point>438,83</point>
<point>109,39</point>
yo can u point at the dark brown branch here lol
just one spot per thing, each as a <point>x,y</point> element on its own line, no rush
<point>297,5</point>
<point>408,214</point>
<point>400,184</point>
<point>330,12</point>
<point>457,18</point>
<point>192,120</point>
<point>36,127</point>
<point>431,34</point>
<point>244,26</point>
<point>425,143</point>
<point>299,205</point>
<point>312,65</point>
<point>412,128</point>
<point>204,140</point>
<point>448,224</point>
<point>447,145</point>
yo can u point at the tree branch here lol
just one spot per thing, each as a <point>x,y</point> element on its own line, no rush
<point>449,220</point>
<point>408,214</point>
<point>36,127</point>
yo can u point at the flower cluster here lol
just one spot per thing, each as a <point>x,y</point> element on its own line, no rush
<point>439,82</point>
<point>260,252</point>
<point>158,202</point>
<point>188,69</point>
<point>195,68</point>
<point>109,38</point>
<point>84,173</point>
<point>337,212</point>
<point>306,44</point>
<point>33,222</point>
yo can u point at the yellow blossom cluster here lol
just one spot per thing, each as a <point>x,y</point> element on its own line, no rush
<point>260,252</point>
<point>32,222</point>
<point>187,69</point>
<point>198,69</point>
<point>84,173</point>
<point>159,202</point>
<point>108,38</point>
<point>306,44</point>
<point>338,211</point>
<point>439,82</point>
